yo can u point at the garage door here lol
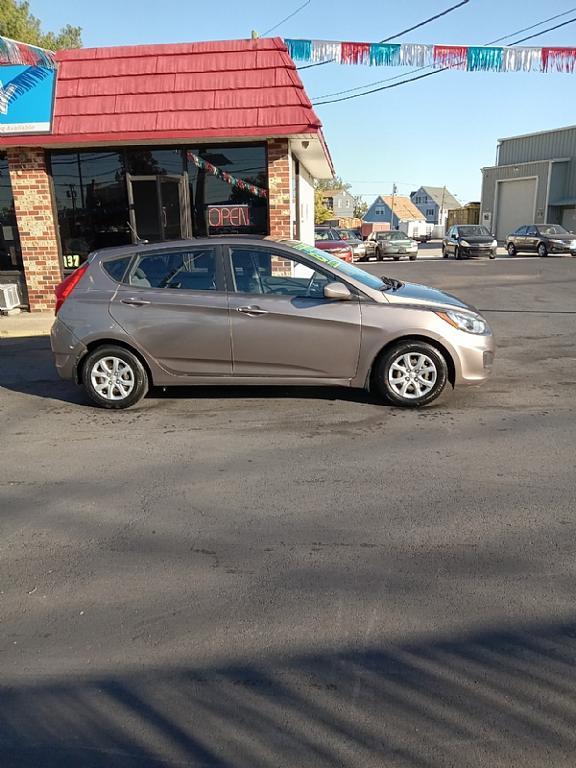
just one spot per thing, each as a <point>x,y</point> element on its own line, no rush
<point>569,219</point>
<point>515,205</point>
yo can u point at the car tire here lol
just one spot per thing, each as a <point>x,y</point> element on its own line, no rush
<point>492,254</point>
<point>542,250</point>
<point>396,258</point>
<point>444,252</point>
<point>390,382</point>
<point>114,377</point>
<point>511,248</point>
<point>457,253</point>
<point>413,256</point>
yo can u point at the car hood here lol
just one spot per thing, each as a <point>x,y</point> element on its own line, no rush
<point>413,293</point>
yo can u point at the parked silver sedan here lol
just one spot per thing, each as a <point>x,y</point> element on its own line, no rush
<point>249,311</point>
<point>394,244</point>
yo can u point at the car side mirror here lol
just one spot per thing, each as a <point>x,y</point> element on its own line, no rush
<point>337,291</point>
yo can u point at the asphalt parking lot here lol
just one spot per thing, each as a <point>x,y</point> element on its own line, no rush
<point>279,578</point>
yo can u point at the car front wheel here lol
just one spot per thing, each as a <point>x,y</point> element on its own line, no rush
<point>114,377</point>
<point>542,250</point>
<point>411,374</point>
<point>511,248</point>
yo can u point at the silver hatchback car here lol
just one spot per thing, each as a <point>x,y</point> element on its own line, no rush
<point>258,311</point>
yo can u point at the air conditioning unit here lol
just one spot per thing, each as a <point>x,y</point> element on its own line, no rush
<point>9,298</point>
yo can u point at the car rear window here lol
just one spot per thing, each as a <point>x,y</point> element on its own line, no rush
<point>116,268</point>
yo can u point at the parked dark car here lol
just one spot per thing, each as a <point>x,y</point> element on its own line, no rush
<point>541,239</point>
<point>328,239</point>
<point>465,240</point>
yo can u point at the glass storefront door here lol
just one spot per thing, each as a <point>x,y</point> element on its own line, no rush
<point>159,207</point>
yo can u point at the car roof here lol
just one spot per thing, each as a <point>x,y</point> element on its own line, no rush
<point>124,250</point>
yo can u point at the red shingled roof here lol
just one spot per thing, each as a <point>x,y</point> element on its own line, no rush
<point>224,89</point>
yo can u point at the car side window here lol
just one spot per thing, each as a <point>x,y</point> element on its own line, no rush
<point>259,271</point>
<point>116,268</point>
<point>521,231</point>
<point>532,232</point>
<point>192,270</point>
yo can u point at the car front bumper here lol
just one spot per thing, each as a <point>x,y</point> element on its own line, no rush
<point>476,251</point>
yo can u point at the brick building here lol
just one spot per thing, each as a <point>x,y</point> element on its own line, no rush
<point>155,143</point>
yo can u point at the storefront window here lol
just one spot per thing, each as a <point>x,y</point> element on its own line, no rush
<point>10,255</point>
<point>228,189</point>
<point>90,191</point>
<point>153,162</point>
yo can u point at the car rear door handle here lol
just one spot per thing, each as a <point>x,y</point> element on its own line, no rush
<point>135,302</point>
<point>252,311</point>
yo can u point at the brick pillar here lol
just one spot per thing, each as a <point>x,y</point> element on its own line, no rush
<point>279,188</point>
<point>36,225</point>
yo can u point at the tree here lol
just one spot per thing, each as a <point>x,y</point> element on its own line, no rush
<point>321,212</point>
<point>360,207</point>
<point>335,183</point>
<point>18,23</point>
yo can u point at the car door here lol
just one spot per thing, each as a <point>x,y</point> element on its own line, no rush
<point>531,240</point>
<point>451,241</point>
<point>175,306</point>
<point>282,326</point>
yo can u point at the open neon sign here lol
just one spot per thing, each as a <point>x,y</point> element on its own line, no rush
<point>229,216</point>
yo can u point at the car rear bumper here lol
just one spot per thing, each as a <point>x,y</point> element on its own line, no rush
<point>67,349</point>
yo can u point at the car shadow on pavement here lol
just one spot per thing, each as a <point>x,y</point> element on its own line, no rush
<point>26,366</point>
<point>499,697</point>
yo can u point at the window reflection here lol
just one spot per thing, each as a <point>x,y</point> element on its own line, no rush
<point>232,163</point>
<point>92,204</point>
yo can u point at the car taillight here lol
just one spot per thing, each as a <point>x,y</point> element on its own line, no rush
<point>343,253</point>
<point>65,288</point>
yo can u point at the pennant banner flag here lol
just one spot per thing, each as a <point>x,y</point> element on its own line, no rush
<point>469,58</point>
<point>199,162</point>
<point>13,52</point>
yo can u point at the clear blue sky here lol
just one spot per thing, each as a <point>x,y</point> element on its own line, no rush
<point>441,130</point>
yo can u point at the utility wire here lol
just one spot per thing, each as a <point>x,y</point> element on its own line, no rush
<point>428,66</point>
<point>398,34</point>
<point>429,74</point>
<point>427,21</point>
<point>290,16</point>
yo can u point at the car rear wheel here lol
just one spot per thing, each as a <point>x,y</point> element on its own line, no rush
<point>411,374</point>
<point>542,250</point>
<point>396,258</point>
<point>511,248</point>
<point>114,377</point>
<point>413,256</point>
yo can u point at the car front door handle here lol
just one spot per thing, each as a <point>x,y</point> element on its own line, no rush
<point>252,311</point>
<point>135,302</point>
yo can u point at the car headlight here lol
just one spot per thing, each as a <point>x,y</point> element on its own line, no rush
<point>494,243</point>
<point>465,321</point>
<point>465,243</point>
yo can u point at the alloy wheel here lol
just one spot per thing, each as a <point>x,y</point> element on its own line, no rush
<point>412,375</point>
<point>112,378</point>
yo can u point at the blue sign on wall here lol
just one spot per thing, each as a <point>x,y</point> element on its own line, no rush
<point>26,99</point>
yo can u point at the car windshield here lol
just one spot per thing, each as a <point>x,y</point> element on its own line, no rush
<point>553,229</point>
<point>322,257</point>
<point>473,231</point>
<point>384,235</point>
<point>325,234</point>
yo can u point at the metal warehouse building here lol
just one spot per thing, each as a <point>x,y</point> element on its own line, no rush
<point>533,182</point>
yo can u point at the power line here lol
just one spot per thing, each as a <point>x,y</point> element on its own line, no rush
<point>429,74</point>
<point>550,29</point>
<point>290,16</point>
<point>427,21</point>
<point>429,66</point>
<point>398,34</point>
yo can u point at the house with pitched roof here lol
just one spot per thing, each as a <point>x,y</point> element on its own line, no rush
<point>395,210</point>
<point>434,203</point>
